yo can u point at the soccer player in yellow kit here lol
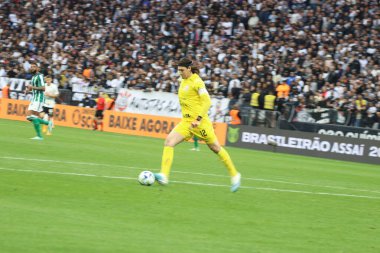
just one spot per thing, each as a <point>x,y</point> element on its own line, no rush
<point>195,103</point>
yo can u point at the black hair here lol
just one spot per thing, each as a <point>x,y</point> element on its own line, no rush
<point>185,62</point>
<point>194,70</point>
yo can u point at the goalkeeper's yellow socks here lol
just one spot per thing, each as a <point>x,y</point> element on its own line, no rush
<point>167,160</point>
<point>226,159</point>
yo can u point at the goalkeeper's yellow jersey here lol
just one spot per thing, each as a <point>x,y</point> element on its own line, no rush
<point>193,98</point>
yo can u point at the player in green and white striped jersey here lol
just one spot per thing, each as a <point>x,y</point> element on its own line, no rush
<point>37,87</point>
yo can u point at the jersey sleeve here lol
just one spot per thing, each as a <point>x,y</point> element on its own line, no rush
<point>204,98</point>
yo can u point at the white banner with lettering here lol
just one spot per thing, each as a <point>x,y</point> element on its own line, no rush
<point>16,83</point>
<point>163,104</point>
<point>17,87</point>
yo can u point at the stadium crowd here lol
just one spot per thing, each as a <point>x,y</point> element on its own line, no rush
<point>307,52</point>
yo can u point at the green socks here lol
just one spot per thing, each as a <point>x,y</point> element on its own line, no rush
<point>45,122</point>
<point>36,123</point>
<point>196,144</point>
<point>37,127</point>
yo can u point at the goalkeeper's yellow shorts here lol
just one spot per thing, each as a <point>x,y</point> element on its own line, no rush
<point>205,131</point>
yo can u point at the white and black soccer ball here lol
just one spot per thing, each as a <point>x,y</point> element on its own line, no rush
<point>146,178</point>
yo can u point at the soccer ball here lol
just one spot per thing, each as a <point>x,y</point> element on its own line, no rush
<point>146,178</point>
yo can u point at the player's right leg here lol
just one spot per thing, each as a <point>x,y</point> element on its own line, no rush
<point>33,113</point>
<point>50,127</point>
<point>45,117</point>
<point>176,136</point>
<point>36,124</point>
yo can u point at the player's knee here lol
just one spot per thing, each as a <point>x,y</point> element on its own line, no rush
<point>169,143</point>
<point>214,147</point>
<point>31,117</point>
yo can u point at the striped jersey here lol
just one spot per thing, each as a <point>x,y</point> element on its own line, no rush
<point>38,81</point>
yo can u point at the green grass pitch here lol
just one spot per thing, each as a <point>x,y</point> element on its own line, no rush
<point>76,191</point>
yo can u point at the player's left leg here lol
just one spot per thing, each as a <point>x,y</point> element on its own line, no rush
<point>100,121</point>
<point>51,122</point>
<point>226,159</point>
<point>44,115</point>
<point>34,118</point>
<point>206,131</point>
<point>95,121</point>
<point>49,118</point>
<point>95,124</point>
<point>30,114</point>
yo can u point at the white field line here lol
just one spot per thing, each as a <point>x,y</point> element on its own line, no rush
<point>26,125</point>
<point>194,183</point>
<point>192,173</point>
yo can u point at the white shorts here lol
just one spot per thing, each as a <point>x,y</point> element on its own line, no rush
<point>35,106</point>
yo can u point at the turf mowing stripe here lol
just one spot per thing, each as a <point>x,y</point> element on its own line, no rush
<point>192,173</point>
<point>195,183</point>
